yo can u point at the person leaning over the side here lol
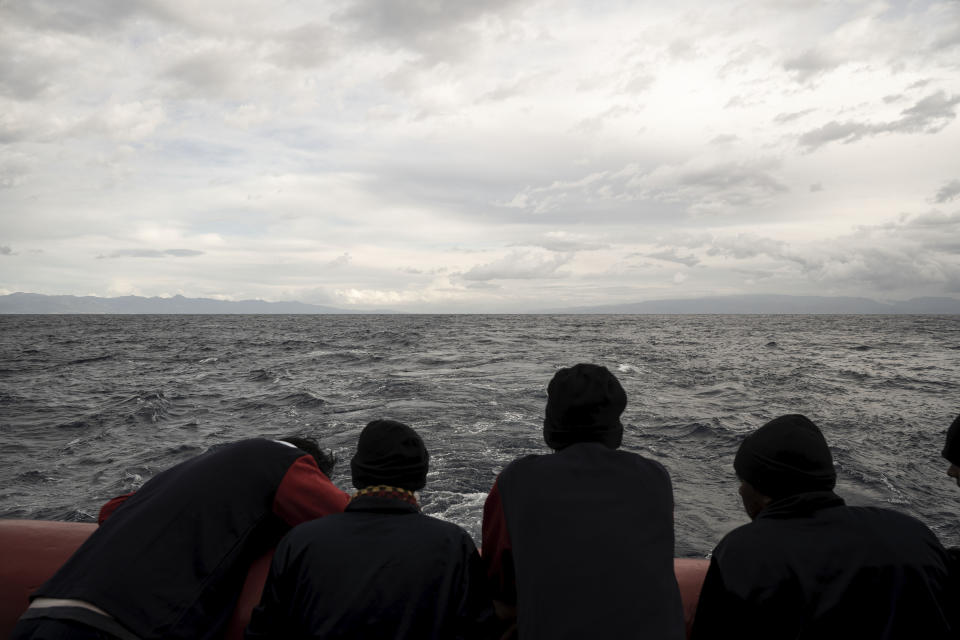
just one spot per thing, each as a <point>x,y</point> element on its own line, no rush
<point>382,569</point>
<point>169,561</point>
<point>951,450</point>
<point>808,565</point>
<point>578,543</point>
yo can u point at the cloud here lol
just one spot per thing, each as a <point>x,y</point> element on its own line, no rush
<point>520,265</point>
<point>436,29</point>
<point>746,245</point>
<point>562,241</point>
<point>671,255</point>
<point>948,192</point>
<point>152,253</point>
<point>929,115</point>
<point>784,118</point>
<point>340,261</point>
<point>724,139</point>
<point>699,188</point>
<point>811,64</point>
<point>304,47</point>
<point>5,250</point>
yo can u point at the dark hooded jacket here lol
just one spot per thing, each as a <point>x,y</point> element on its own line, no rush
<point>811,567</point>
<point>581,540</point>
<point>380,570</point>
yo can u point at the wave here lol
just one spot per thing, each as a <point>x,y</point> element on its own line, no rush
<point>303,399</point>
<point>109,356</point>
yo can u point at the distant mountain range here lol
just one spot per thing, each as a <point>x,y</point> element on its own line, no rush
<point>41,304</point>
<point>34,303</point>
<point>777,304</point>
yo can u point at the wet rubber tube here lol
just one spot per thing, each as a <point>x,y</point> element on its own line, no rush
<point>32,550</point>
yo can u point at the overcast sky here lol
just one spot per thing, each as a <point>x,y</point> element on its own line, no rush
<point>455,155</point>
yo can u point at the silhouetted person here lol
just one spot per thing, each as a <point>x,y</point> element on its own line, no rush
<point>808,566</point>
<point>951,450</point>
<point>381,569</point>
<point>579,543</point>
<point>170,560</point>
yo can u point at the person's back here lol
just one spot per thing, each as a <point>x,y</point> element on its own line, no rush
<point>170,561</point>
<point>580,541</point>
<point>808,565</point>
<point>592,539</point>
<point>381,569</point>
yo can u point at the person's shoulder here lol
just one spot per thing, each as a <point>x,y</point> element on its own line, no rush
<point>314,528</point>
<point>884,519</point>
<point>523,462</point>
<point>743,543</point>
<point>445,529</point>
<point>642,462</point>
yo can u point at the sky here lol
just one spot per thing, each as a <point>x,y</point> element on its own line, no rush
<point>482,156</point>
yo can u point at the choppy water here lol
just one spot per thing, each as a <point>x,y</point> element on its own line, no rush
<point>92,406</point>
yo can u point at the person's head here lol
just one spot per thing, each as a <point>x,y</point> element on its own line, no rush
<point>784,457</point>
<point>584,404</point>
<point>951,450</point>
<point>390,453</point>
<point>325,460</point>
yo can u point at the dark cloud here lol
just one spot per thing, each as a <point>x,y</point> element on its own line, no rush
<point>436,29</point>
<point>89,16</point>
<point>152,253</point>
<point>307,46</point>
<point>5,250</point>
<point>929,115</point>
<point>23,76</point>
<point>209,73</point>
<point>810,64</point>
<point>845,132</point>
<point>815,187</point>
<point>783,118</point>
<point>948,192</point>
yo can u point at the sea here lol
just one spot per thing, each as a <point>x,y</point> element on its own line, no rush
<point>93,406</point>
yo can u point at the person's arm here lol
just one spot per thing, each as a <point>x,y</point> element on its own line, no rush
<point>742,599</point>
<point>112,505</point>
<point>475,614</point>
<point>269,620</point>
<point>305,493</point>
<point>498,557</point>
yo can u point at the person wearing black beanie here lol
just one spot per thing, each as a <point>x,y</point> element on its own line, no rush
<point>578,543</point>
<point>382,569</point>
<point>808,565</point>
<point>951,450</point>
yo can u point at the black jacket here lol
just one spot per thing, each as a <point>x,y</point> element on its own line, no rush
<point>581,540</point>
<point>811,567</point>
<point>171,560</point>
<point>379,570</point>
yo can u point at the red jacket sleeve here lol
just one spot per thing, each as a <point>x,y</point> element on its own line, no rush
<point>305,493</point>
<point>497,553</point>
<point>107,509</point>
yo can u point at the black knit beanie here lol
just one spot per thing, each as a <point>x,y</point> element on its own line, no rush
<point>786,456</point>
<point>584,403</point>
<point>951,450</point>
<point>390,453</point>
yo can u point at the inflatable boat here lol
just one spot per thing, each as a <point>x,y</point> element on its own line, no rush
<point>32,550</point>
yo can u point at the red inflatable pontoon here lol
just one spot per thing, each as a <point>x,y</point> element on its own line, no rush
<point>32,550</point>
